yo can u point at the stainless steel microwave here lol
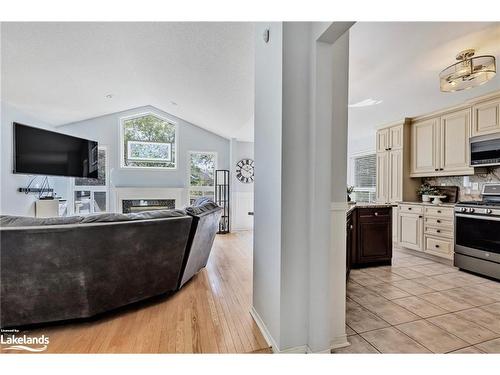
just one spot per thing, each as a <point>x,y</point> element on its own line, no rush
<point>485,150</point>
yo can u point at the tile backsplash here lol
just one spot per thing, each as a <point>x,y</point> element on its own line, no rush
<point>470,187</point>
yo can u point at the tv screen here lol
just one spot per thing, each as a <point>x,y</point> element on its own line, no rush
<point>40,151</point>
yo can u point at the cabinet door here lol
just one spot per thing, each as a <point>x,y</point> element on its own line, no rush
<point>396,137</point>
<point>486,117</point>
<point>382,178</point>
<point>424,145</point>
<point>374,228</point>
<point>454,150</point>
<point>410,231</point>
<point>382,140</point>
<point>395,175</point>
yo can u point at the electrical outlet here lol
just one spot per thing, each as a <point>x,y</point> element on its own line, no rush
<point>475,186</point>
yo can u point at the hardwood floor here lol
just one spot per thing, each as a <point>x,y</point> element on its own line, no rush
<point>210,314</point>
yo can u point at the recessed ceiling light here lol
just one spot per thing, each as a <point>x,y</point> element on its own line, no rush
<point>109,96</point>
<point>365,103</point>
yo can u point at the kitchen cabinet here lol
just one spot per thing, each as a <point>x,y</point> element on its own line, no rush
<point>370,238</point>
<point>411,226</point>
<point>486,117</point>
<point>393,183</point>
<point>350,240</point>
<point>440,145</point>
<point>426,228</point>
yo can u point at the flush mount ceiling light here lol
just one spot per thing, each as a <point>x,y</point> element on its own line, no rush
<point>468,72</point>
<point>365,103</point>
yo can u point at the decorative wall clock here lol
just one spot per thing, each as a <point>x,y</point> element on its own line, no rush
<point>244,171</point>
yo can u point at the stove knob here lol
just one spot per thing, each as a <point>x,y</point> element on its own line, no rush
<point>489,211</point>
<point>463,209</point>
<point>471,210</point>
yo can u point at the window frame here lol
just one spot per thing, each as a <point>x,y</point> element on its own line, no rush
<point>352,171</point>
<point>199,188</point>
<point>174,149</point>
<point>91,188</point>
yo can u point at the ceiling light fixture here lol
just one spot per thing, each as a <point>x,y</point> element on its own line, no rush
<point>468,72</point>
<point>365,103</point>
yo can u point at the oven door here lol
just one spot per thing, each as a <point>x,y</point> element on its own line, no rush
<point>478,236</point>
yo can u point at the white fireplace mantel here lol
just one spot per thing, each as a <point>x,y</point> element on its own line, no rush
<point>124,193</point>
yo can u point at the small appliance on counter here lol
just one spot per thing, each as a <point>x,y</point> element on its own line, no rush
<point>477,237</point>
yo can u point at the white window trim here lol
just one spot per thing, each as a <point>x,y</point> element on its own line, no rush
<point>91,188</point>
<point>121,148</point>
<point>200,188</point>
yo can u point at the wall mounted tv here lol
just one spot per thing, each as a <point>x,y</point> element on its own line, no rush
<point>40,151</point>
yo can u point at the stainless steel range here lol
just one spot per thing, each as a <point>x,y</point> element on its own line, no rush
<point>477,233</point>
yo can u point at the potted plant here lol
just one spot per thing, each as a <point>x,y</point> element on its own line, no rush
<point>425,190</point>
<point>350,189</point>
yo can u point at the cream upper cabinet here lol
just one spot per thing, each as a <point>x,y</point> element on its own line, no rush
<point>395,169</point>
<point>424,137</point>
<point>454,145</point>
<point>382,181</point>
<point>440,145</point>
<point>486,117</point>
<point>382,140</point>
<point>396,137</point>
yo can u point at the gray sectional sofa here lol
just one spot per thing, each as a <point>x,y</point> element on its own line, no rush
<point>77,267</point>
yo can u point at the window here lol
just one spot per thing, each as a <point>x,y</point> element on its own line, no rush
<point>363,177</point>
<point>91,195</point>
<point>202,166</point>
<point>148,141</point>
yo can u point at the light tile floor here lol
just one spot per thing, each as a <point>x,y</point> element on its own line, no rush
<point>421,305</point>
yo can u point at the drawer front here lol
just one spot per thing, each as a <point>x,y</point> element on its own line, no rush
<point>374,213</point>
<point>439,232</point>
<point>445,213</point>
<point>439,223</point>
<point>439,246</point>
<point>411,209</point>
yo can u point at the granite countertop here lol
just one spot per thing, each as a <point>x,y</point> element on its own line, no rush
<point>429,204</point>
<point>352,206</point>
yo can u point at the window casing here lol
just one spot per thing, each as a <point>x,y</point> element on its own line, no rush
<point>148,141</point>
<point>201,174</point>
<point>363,177</point>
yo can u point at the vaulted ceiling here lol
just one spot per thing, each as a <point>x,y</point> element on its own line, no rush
<point>199,71</point>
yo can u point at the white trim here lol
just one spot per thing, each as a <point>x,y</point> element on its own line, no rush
<point>263,329</point>
<point>120,140</point>
<point>339,342</point>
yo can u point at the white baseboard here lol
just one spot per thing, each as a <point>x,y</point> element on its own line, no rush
<point>263,329</point>
<point>339,342</point>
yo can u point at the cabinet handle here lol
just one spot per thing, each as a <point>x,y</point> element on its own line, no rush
<point>389,149</point>
<point>441,169</point>
<point>351,226</point>
<point>437,169</point>
<point>437,245</point>
<point>376,213</point>
<point>439,211</point>
<point>438,221</point>
<point>419,216</point>
<point>409,208</point>
<point>438,231</point>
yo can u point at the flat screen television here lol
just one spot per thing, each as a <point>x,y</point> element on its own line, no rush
<point>40,151</point>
